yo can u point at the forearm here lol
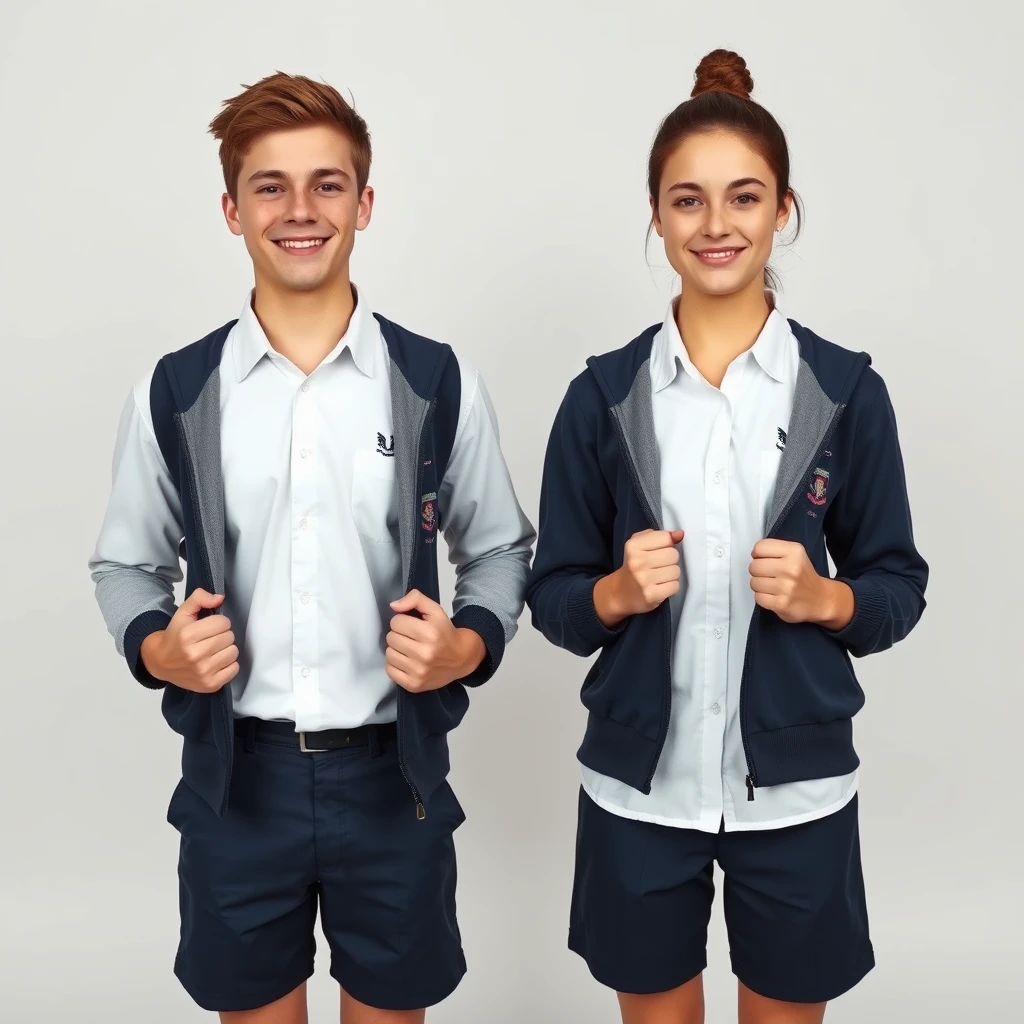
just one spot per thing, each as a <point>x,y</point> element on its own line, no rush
<point>608,601</point>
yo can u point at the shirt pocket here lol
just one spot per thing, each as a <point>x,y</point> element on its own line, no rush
<point>374,497</point>
<point>768,473</point>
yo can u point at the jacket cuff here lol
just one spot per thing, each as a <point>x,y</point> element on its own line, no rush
<point>870,608</point>
<point>583,618</point>
<point>138,629</point>
<point>487,626</point>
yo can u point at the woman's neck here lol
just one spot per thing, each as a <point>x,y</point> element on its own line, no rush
<point>717,328</point>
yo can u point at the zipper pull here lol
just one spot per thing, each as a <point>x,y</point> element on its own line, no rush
<point>421,812</point>
<point>750,788</point>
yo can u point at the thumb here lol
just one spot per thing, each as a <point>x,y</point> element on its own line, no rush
<point>677,535</point>
<point>198,600</point>
<point>414,601</point>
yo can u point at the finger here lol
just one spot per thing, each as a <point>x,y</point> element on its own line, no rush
<point>213,645</point>
<point>403,662</point>
<point>222,678</point>
<point>220,660</point>
<point>772,548</point>
<point>203,629</point>
<point>661,557</point>
<point>415,601</point>
<point>412,627</point>
<point>404,645</point>
<point>676,536</point>
<point>668,574</point>
<point>656,539</point>
<point>765,585</point>
<point>198,600</point>
<point>765,566</point>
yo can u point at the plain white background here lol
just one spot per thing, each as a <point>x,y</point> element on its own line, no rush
<point>510,147</point>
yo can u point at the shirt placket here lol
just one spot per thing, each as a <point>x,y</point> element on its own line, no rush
<point>716,635</point>
<point>305,460</point>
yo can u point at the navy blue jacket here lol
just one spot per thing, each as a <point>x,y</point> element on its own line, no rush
<point>841,491</point>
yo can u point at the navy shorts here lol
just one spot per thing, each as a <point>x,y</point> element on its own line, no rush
<point>336,831</point>
<point>794,904</point>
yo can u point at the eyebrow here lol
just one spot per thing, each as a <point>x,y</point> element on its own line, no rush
<point>692,186</point>
<point>320,172</point>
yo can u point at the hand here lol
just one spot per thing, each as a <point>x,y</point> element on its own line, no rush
<point>648,576</point>
<point>427,652</point>
<point>193,653</point>
<point>785,582</point>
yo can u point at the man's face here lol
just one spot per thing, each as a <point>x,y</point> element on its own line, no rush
<point>298,208</point>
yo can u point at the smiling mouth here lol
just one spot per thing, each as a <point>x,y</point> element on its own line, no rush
<point>717,256</point>
<point>300,245</point>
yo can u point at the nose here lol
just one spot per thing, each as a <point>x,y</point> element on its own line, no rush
<point>301,208</point>
<point>715,222</point>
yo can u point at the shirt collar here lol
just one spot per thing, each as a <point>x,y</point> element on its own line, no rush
<point>769,350</point>
<point>361,339</point>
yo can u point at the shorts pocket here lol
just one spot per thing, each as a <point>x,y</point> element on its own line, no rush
<point>374,497</point>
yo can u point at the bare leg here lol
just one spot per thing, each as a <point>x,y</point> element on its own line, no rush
<point>755,1009</point>
<point>683,1005</point>
<point>289,1010</point>
<point>355,1012</point>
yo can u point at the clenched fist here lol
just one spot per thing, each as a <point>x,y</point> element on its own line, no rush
<point>193,653</point>
<point>649,575</point>
<point>785,582</point>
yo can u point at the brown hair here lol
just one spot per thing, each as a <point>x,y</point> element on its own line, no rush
<point>281,102</point>
<point>720,101</point>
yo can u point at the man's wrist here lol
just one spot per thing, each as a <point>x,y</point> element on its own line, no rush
<point>149,652</point>
<point>471,650</point>
<point>836,606</point>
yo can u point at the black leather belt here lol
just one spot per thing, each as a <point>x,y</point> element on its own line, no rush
<point>255,730</point>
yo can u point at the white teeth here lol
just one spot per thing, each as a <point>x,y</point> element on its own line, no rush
<point>308,244</point>
<point>719,255</point>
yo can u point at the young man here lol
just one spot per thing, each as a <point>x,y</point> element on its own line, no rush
<point>302,460</point>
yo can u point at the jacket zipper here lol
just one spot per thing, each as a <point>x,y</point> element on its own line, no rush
<point>421,812</point>
<point>751,779</point>
<point>666,701</point>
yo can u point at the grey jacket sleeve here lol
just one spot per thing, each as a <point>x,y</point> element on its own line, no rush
<point>490,540</point>
<point>135,562</point>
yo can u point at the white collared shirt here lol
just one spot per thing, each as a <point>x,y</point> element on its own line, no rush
<point>720,450</point>
<point>311,517</point>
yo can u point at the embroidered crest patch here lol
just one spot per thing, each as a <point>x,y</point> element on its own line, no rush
<point>819,485</point>
<point>428,514</point>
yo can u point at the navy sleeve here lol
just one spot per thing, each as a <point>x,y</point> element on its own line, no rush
<point>870,536</point>
<point>574,537</point>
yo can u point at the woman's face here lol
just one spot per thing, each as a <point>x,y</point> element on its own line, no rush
<point>717,212</point>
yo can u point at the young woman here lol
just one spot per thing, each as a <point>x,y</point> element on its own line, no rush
<point>695,482</point>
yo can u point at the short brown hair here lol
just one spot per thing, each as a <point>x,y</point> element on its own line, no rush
<point>281,102</point>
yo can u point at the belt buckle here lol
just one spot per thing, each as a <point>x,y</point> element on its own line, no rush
<point>309,750</point>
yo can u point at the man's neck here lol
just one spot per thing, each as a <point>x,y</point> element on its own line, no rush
<point>304,326</point>
<point>716,328</point>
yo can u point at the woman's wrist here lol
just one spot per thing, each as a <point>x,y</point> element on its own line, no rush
<point>607,600</point>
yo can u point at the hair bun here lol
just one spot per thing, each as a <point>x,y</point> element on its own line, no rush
<point>723,71</point>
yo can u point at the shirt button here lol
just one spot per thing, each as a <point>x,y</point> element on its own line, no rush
<point>717,478</point>
<point>304,452</point>
<point>719,632</point>
<point>719,551</point>
<point>304,599</point>
<point>303,524</point>
<point>715,708</point>
<point>305,388</point>
<point>305,673</point>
